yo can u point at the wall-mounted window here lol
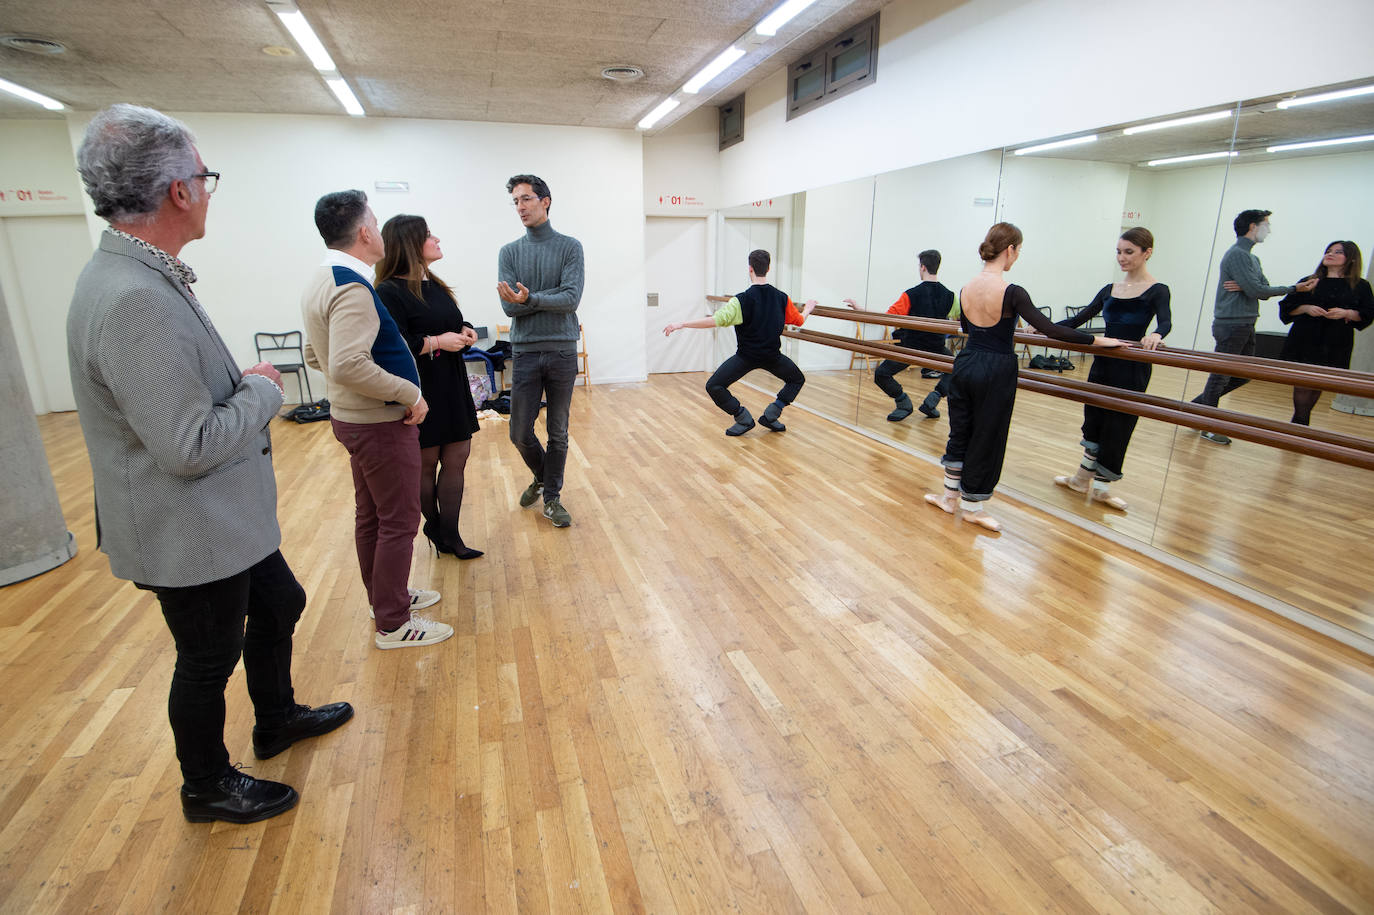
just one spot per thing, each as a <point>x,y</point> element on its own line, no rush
<point>732,121</point>
<point>837,68</point>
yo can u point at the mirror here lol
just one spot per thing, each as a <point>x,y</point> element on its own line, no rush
<point>1200,501</point>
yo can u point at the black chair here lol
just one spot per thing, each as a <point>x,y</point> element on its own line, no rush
<point>1094,325</point>
<point>270,344</point>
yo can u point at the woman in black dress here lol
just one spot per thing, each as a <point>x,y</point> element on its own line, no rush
<point>427,314</point>
<point>1325,319</point>
<point>982,390</point>
<point>1128,307</point>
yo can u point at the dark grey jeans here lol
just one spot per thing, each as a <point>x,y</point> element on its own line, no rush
<point>1237,340</point>
<point>543,376</point>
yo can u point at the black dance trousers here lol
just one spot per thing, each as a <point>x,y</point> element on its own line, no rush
<point>207,624</point>
<point>883,376</point>
<point>982,393</point>
<point>737,366</point>
<point>1107,433</point>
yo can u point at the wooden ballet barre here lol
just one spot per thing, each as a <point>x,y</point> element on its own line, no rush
<point>1330,446</point>
<point>1341,381</point>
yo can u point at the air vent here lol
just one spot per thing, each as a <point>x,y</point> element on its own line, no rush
<point>622,73</point>
<point>33,45</point>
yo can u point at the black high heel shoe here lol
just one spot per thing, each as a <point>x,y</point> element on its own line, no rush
<point>442,546</point>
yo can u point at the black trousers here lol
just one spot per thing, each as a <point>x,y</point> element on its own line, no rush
<point>736,367</point>
<point>1238,340</point>
<point>883,375</point>
<point>982,393</point>
<point>207,624</point>
<point>1107,433</point>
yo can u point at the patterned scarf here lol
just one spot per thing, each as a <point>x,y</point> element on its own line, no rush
<point>179,269</point>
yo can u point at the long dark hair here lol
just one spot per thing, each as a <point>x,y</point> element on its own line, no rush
<point>404,237</point>
<point>1354,265</point>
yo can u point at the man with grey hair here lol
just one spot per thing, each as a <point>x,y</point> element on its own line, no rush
<point>186,500</point>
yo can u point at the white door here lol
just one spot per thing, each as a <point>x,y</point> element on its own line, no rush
<point>40,259</point>
<point>675,271</point>
<point>738,238</point>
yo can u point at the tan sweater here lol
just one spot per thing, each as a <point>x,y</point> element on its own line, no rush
<point>341,325</point>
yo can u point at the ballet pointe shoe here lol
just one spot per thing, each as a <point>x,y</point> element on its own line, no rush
<point>1078,482</point>
<point>982,519</point>
<point>944,503</point>
<point>1111,501</point>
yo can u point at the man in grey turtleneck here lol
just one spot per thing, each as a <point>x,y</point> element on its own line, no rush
<point>1240,285</point>
<point>540,288</point>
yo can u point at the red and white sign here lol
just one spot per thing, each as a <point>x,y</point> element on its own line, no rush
<point>679,200</point>
<point>28,195</point>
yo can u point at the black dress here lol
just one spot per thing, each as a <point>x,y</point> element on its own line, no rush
<point>1325,341</point>
<point>443,375</point>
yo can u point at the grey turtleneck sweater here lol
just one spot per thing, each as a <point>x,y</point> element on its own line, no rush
<point>550,266</point>
<point>1240,264</point>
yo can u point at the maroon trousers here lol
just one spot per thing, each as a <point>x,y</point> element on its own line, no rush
<point>385,458</point>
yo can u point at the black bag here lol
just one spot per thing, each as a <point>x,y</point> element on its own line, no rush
<point>499,404</point>
<point>310,412</point>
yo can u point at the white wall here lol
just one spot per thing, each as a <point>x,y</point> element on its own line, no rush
<point>682,167</point>
<point>37,170</point>
<point>261,241</point>
<point>991,73</point>
<point>834,263</point>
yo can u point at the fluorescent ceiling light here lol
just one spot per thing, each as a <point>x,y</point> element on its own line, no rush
<point>51,104</point>
<point>652,118</point>
<point>1326,97</point>
<point>775,20</point>
<point>345,96</point>
<point>1057,144</point>
<point>1340,141</point>
<point>713,69</point>
<point>295,23</point>
<point>1178,122</point>
<point>1197,158</point>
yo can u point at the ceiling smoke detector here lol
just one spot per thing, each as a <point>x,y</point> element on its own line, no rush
<point>33,45</point>
<point>621,73</point>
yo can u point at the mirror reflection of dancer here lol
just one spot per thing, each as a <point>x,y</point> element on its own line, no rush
<point>758,315</point>
<point>982,390</point>
<point>1127,306</point>
<point>1324,319</point>
<point>929,299</point>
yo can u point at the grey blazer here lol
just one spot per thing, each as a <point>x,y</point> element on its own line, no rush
<point>178,439</point>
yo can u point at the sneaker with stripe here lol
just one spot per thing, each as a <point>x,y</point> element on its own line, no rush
<point>419,600</point>
<point>418,632</point>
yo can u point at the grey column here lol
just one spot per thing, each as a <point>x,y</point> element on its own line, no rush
<point>33,536</point>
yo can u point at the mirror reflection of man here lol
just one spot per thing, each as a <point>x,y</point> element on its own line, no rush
<point>1240,285</point>
<point>928,299</point>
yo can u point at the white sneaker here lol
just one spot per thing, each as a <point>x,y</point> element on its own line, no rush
<point>419,600</point>
<point>418,632</point>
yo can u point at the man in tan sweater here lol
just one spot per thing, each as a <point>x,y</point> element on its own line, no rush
<point>375,407</point>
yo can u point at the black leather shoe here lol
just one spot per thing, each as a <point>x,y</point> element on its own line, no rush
<point>237,798</point>
<point>304,722</point>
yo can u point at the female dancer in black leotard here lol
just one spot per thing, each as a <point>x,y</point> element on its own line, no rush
<point>982,390</point>
<point>1128,307</point>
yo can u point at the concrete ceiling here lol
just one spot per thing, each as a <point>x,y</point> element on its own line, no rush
<point>525,61</point>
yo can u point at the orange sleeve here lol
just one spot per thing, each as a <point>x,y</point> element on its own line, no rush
<point>792,316</point>
<point>900,307</point>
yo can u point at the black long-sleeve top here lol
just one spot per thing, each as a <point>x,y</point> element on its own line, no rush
<point>1326,341</point>
<point>1128,319</point>
<point>1016,302</point>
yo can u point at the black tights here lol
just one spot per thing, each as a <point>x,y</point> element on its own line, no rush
<point>1304,399</point>
<point>441,488</point>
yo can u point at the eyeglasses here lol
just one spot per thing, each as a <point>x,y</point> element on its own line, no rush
<point>211,180</point>
<point>524,198</point>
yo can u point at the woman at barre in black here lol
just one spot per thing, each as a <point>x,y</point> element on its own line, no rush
<point>982,390</point>
<point>1325,319</point>
<point>1127,307</point>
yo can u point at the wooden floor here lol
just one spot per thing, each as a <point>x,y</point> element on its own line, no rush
<point>1239,511</point>
<point>756,675</point>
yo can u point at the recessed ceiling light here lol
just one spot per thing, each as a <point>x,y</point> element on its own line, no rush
<point>1326,97</point>
<point>1057,144</point>
<point>652,118</point>
<point>1315,144</point>
<point>33,45</point>
<point>621,73</point>
<point>29,95</point>
<point>1177,122</point>
<point>276,50</point>
<point>1199,157</point>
